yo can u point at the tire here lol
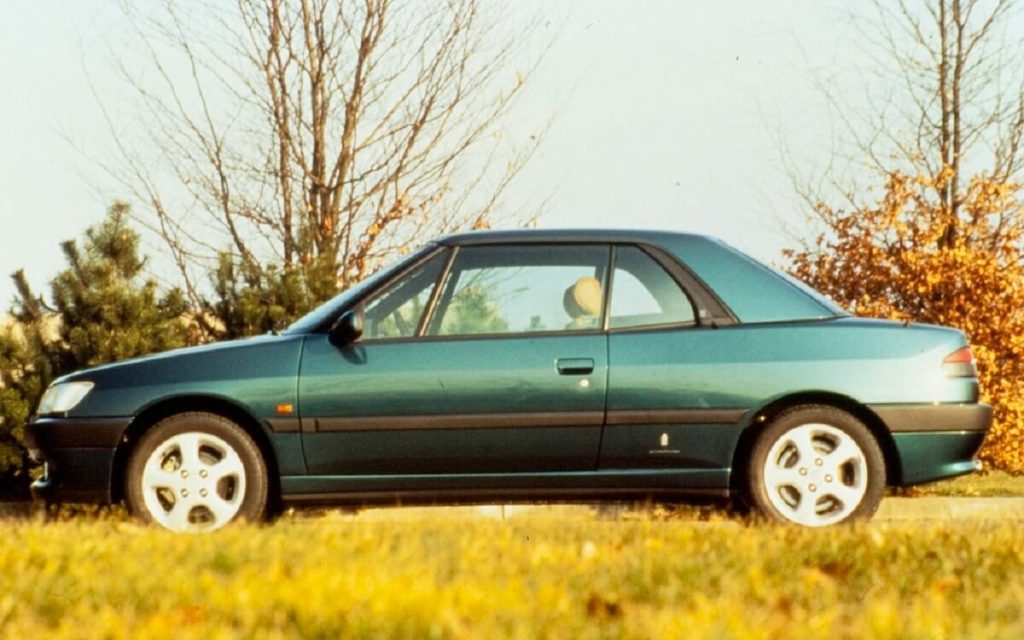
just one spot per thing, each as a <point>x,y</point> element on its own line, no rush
<point>815,466</point>
<point>196,472</point>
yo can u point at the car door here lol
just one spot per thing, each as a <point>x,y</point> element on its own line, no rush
<point>664,411</point>
<point>481,359</point>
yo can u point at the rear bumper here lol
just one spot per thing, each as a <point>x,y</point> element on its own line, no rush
<point>78,456</point>
<point>935,455</point>
<point>935,441</point>
<point>934,417</point>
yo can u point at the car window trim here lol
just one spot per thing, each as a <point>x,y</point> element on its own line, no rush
<point>428,311</point>
<point>662,326</point>
<point>550,333</point>
<point>440,303</point>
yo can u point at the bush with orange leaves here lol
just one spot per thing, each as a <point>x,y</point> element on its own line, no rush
<point>907,257</point>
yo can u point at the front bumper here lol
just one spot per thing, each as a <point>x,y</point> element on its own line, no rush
<point>935,441</point>
<point>79,457</point>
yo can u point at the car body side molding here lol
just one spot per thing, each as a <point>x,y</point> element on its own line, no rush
<point>519,420</point>
<point>675,416</point>
<point>457,421</point>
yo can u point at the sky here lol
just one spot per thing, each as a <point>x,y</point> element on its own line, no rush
<point>670,115</point>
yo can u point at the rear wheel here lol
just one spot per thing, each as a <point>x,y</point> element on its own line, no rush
<point>816,466</point>
<point>196,472</point>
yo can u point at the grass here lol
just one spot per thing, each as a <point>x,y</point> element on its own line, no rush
<point>559,574</point>
<point>983,484</point>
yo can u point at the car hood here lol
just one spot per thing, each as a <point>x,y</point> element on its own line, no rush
<point>215,356</point>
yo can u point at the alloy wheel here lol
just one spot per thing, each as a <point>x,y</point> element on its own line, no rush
<point>193,481</point>
<point>815,475</point>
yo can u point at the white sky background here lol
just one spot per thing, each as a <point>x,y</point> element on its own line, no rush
<point>670,116</point>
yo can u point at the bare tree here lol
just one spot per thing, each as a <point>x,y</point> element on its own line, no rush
<point>943,97</point>
<point>319,135</point>
<point>942,128</point>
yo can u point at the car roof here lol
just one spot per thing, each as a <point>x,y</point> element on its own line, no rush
<point>753,291</point>
<point>470,238</point>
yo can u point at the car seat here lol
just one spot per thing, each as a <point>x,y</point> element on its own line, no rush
<point>582,301</point>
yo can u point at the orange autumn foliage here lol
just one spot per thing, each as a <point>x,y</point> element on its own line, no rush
<point>907,257</point>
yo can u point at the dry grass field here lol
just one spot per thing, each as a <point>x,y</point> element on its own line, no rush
<point>559,572</point>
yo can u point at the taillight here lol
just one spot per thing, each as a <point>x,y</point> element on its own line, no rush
<point>960,364</point>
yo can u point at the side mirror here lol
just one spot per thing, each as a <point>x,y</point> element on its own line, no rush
<point>347,329</point>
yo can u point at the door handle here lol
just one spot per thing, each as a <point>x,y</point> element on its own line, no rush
<point>574,366</point>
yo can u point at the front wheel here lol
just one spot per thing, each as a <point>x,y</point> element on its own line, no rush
<point>816,466</point>
<point>196,472</point>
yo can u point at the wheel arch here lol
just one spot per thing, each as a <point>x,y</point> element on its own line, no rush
<point>168,407</point>
<point>764,416</point>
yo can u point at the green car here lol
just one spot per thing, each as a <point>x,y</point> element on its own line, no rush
<point>520,365</point>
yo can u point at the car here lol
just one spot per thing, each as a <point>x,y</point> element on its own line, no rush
<point>527,365</point>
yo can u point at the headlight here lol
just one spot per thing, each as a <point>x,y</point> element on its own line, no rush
<point>63,397</point>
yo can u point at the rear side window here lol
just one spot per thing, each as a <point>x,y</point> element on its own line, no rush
<point>643,293</point>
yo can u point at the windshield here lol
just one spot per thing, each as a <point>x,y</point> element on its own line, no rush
<point>330,309</point>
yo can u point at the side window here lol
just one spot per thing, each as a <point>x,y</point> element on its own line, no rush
<point>643,293</point>
<point>395,312</point>
<point>515,289</point>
